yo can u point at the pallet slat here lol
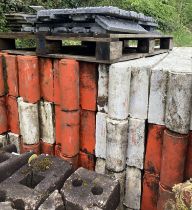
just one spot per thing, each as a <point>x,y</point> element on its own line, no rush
<point>106,48</point>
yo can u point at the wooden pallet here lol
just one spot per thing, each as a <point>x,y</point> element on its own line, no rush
<point>107,48</point>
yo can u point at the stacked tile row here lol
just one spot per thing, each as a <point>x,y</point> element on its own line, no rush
<point>170,93</point>
<point>139,103</point>
<point>9,120</point>
<point>88,105</point>
<point>48,105</point>
<point>134,116</point>
<point>120,126</point>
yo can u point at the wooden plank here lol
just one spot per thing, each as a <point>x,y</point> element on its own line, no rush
<point>86,37</point>
<point>112,35</point>
<point>78,38</point>
<point>127,57</point>
<point>68,35</point>
<point>137,36</point>
<point>157,52</point>
<point>16,35</point>
<point>92,59</point>
<point>132,56</point>
<point>103,37</point>
<point>20,52</point>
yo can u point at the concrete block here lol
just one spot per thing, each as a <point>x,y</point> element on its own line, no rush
<point>103,82</point>
<point>14,139</point>
<point>6,205</point>
<point>9,148</point>
<point>101,132</point>
<point>53,202</point>
<point>46,122</point>
<point>30,186</point>
<point>178,60</point>
<point>100,166</point>
<point>116,145</point>
<point>178,106</point>
<point>29,122</point>
<point>157,97</point>
<point>84,189</point>
<point>136,143</point>
<point>139,90</point>
<point>133,188</point>
<point>3,140</point>
<point>191,123</point>
<point>119,88</point>
<point>120,177</point>
<point>10,163</point>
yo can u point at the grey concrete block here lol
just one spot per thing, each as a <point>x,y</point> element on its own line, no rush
<point>14,139</point>
<point>3,141</point>
<point>121,178</point>
<point>10,163</point>
<point>86,189</point>
<point>133,188</point>
<point>178,106</point>
<point>100,166</point>
<point>178,64</point>
<point>29,122</point>
<point>136,143</point>
<point>157,97</point>
<point>139,90</point>
<point>103,82</point>
<point>10,148</point>
<point>28,187</point>
<point>93,208</point>
<point>116,145</point>
<point>46,122</point>
<point>178,60</point>
<point>53,202</point>
<point>6,205</point>
<point>119,84</point>
<point>101,135</point>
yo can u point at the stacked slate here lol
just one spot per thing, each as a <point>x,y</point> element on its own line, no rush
<point>21,22</point>
<point>96,20</point>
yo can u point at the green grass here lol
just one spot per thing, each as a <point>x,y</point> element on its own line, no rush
<point>182,38</point>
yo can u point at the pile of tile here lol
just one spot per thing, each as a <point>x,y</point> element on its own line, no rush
<point>48,105</point>
<point>96,20</point>
<point>133,118</point>
<point>143,126</point>
<point>20,22</point>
